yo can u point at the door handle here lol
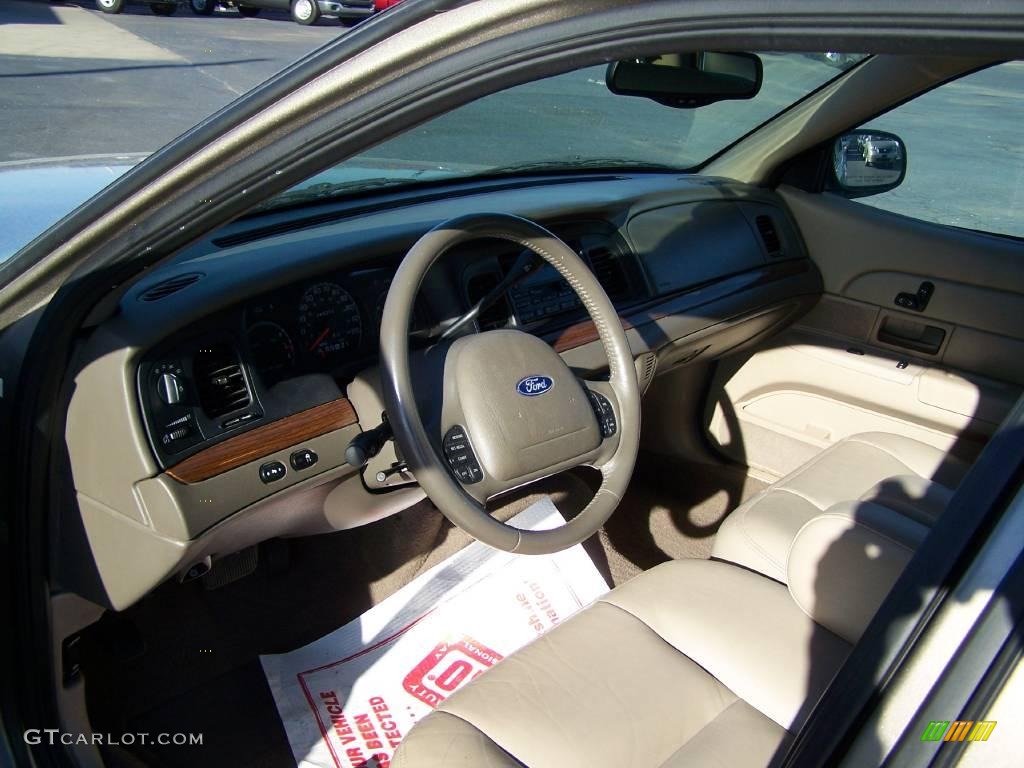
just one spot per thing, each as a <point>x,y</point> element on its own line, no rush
<point>910,334</point>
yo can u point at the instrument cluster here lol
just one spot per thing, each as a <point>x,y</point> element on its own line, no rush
<point>323,325</point>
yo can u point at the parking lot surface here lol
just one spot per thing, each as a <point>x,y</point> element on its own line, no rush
<point>75,82</point>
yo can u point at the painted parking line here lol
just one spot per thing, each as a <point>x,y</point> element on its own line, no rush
<point>42,30</point>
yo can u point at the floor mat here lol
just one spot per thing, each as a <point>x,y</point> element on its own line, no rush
<point>671,511</point>
<point>348,698</point>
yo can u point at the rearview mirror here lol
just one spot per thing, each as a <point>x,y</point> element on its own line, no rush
<point>867,162</point>
<point>688,80</point>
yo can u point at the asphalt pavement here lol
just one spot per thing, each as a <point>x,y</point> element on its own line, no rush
<point>74,81</point>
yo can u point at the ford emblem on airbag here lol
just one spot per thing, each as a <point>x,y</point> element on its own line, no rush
<point>531,386</point>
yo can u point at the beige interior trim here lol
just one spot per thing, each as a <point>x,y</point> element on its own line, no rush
<point>805,391</point>
<point>876,238</point>
<point>864,92</point>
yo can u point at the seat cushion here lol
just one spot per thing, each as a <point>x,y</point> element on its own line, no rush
<point>692,663</point>
<point>898,473</point>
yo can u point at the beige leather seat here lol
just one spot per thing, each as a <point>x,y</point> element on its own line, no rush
<point>893,472</point>
<point>695,662</point>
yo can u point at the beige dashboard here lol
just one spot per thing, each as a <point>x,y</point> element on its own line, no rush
<point>135,517</point>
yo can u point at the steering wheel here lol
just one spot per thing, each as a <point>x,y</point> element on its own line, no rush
<point>504,408</point>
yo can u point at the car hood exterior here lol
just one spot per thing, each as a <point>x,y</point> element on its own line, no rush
<point>35,194</point>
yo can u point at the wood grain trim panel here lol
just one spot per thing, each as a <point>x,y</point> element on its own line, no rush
<point>580,334</point>
<point>265,440</point>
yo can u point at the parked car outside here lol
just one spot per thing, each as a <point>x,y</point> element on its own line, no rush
<point>159,7</point>
<point>881,153</point>
<point>305,12</point>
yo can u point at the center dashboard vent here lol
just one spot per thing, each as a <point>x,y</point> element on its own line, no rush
<point>769,235</point>
<point>609,272</point>
<point>220,382</point>
<point>167,287</point>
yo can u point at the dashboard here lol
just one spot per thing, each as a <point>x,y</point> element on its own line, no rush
<point>235,368</point>
<point>212,408</point>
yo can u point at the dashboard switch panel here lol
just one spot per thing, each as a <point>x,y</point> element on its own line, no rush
<point>460,456</point>
<point>272,471</point>
<point>604,412</point>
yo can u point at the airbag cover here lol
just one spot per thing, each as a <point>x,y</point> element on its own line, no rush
<point>524,410</point>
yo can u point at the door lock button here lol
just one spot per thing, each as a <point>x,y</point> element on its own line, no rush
<point>303,459</point>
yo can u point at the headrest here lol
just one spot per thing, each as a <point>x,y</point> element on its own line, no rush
<point>843,563</point>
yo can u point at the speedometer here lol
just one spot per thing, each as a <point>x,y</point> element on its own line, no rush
<point>329,321</point>
<point>273,353</point>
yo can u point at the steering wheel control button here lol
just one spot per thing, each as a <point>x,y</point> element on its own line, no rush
<point>460,456</point>
<point>303,459</point>
<point>604,412</point>
<point>272,471</point>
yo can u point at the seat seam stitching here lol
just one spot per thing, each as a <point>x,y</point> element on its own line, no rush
<point>483,733</point>
<point>738,700</point>
<point>661,637</point>
<point>753,542</point>
<point>805,497</point>
<point>869,527</point>
<point>696,663</point>
<point>799,471</point>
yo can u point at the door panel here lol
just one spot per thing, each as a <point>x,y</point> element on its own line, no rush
<point>858,362</point>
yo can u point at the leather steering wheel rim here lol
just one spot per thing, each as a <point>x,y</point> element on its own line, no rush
<point>418,447</point>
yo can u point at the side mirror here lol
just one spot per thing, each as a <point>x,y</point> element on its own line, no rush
<point>688,80</point>
<point>867,162</point>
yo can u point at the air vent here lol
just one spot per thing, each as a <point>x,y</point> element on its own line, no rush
<point>770,238</point>
<point>167,287</point>
<point>608,270</point>
<point>219,380</point>
<point>646,367</point>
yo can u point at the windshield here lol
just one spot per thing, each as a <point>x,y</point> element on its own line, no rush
<point>570,122</point>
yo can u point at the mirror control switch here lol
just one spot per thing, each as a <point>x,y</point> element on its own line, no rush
<point>272,471</point>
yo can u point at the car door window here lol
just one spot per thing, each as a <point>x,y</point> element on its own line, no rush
<point>964,152</point>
